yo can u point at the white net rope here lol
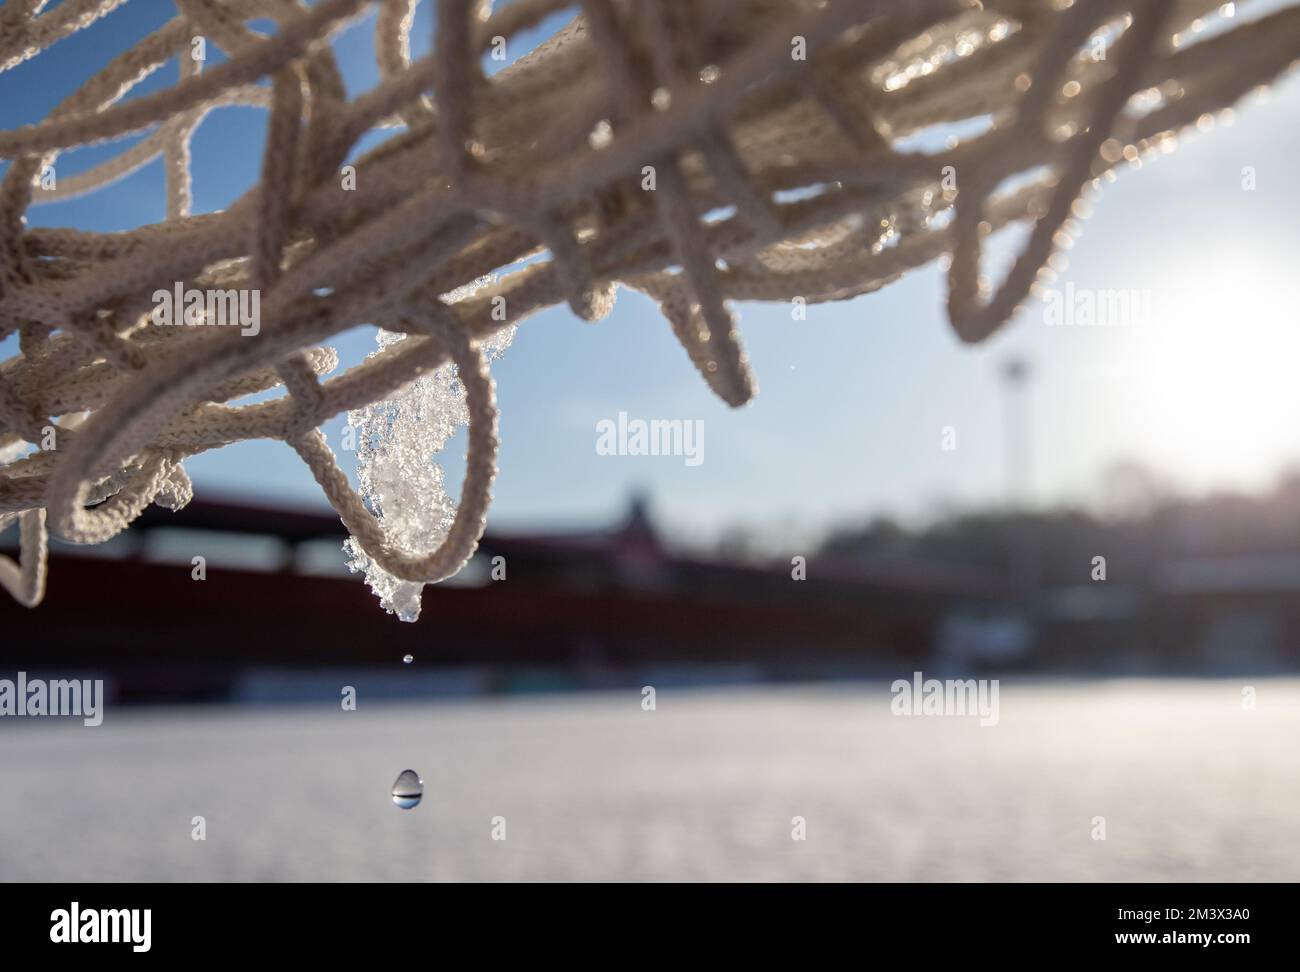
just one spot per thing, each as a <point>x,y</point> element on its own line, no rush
<point>590,162</point>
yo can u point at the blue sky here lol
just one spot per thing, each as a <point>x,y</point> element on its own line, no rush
<point>853,400</point>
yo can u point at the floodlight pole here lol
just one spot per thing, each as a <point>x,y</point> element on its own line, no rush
<point>1019,473</point>
<point>1016,440</point>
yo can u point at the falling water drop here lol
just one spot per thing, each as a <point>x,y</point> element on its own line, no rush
<point>407,659</point>
<point>408,789</point>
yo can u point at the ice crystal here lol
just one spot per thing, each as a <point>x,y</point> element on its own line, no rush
<point>398,478</point>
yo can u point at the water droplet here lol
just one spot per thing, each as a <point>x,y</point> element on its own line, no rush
<point>408,789</point>
<point>407,659</point>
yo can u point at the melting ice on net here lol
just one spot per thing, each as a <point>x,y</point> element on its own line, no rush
<point>399,480</point>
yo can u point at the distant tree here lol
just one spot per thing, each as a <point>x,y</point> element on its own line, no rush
<point>1130,490</point>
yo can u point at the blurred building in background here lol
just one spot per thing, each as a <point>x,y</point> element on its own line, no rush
<point>1211,587</point>
<point>566,610</point>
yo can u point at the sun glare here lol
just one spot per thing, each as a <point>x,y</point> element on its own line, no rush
<point>1217,364</point>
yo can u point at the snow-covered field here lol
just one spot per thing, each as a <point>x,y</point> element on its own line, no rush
<point>1192,786</point>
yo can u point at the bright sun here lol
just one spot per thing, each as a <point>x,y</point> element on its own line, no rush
<point>1218,366</point>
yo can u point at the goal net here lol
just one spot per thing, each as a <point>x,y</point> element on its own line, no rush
<point>698,151</point>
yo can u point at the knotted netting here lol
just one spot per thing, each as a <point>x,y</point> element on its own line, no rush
<point>698,151</point>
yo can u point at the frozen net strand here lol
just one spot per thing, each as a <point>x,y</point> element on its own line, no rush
<point>590,162</point>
